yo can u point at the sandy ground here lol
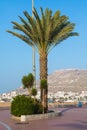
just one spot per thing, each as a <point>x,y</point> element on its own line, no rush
<point>5,104</point>
<point>8,104</point>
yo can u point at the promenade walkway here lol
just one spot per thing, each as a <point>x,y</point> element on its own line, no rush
<point>72,119</point>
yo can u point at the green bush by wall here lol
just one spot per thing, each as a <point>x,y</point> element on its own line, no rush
<point>22,105</point>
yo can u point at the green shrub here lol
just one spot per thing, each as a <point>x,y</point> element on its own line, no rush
<point>43,84</point>
<point>22,105</point>
<point>34,92</point>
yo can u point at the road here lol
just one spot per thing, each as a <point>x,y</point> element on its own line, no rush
<point>71,119</point>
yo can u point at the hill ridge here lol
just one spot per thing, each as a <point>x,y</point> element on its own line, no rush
<point>68,80</point>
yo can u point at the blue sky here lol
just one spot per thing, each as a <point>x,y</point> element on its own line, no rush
<point>16,56</point>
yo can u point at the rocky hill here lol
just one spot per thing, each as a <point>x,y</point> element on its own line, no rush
<point>74,80</point>
<point>68,80</point>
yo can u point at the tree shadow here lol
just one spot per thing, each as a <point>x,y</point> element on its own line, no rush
<point>67,109</point>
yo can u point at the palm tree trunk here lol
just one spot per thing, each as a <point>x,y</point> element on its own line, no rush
<point>43,75</point>
<point>29,91</point>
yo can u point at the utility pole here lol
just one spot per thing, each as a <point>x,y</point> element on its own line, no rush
<point>33,53</point>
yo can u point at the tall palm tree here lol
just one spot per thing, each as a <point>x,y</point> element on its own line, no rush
<point>45,32</point>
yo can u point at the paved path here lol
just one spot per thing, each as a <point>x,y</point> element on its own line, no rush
<point>72,119</point>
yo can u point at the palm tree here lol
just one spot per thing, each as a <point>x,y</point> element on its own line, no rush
<point>28,82</point>
<point>45,32</point>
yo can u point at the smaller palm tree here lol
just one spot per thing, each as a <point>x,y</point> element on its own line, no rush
<point>28,82</point>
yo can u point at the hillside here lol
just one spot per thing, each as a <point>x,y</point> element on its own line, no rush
<point>68,80</point>
<point>74,80</point>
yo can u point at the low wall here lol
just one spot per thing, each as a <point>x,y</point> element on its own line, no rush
<point>25,118</point>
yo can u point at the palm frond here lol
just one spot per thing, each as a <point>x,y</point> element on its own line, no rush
<point>26,25</point>
<point>39,26</point>
<point>22,29</point>
<point>22,37</point>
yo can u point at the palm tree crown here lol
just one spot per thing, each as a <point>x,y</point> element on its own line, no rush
<point>46,31</point>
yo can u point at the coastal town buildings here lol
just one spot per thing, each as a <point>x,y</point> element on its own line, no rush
<point>59,96</point>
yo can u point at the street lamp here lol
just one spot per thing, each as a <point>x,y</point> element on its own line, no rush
<point>33,53</point>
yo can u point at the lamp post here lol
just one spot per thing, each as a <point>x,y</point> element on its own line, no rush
<point>33,53</point>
